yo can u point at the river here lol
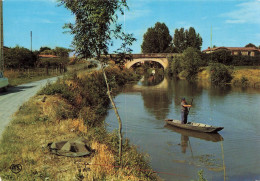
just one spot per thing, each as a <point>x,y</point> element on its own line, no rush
<point>233,154</point>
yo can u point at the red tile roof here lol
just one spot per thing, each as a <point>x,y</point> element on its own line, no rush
<point>48,56</point>
<point>233,48</point>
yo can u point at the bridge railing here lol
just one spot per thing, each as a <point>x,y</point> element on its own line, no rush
<point>149,55</point>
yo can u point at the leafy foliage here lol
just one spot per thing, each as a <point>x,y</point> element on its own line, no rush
<point>221,56</point>
<point>19,57</point>
<point>191,62</point>
<point>157,39</point>
<point>219,74</point>
<point>95,25</point>
<point>250,45</point>
<point>183,39</point>
<point>174,65</point>
<point>187,64</point>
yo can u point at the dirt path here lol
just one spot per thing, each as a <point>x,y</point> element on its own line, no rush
<point>11,100</point>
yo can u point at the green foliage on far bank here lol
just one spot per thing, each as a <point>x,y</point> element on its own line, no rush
<point>220,74</point>
<point>225,57</point>
<point>187,65</point>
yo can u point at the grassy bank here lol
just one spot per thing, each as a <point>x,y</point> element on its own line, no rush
<point>242,76</point>
<point>70,108</point>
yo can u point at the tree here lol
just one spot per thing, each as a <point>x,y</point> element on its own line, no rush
<point>62,52</point>
<point>47,52</point>
<point>95,26</point>
<point>183,39</point>
<point>219,74</point>
<point>190,62</point>
<point>179,40</point>
<point>19,57</point>
<point>250,45</point>
<point>157,39</point>
<point>44,48</point>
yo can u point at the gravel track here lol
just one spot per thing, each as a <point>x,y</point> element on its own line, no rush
<point>11,100</point>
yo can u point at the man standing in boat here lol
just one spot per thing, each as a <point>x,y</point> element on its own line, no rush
<point>184,111</point>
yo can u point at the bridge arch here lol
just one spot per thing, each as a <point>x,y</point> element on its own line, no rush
<point>162,61</point>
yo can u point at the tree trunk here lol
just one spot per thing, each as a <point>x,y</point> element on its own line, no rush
<point>117,114</point>
<point>47,69</point>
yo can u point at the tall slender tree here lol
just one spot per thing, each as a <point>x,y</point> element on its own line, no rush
<point>183,39</point>
<point>94,29</point>
<point>157,39</point>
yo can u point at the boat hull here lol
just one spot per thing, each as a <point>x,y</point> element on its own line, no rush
<point>194,126</point>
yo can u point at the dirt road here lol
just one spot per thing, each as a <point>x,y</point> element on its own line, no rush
<point>11,100</point>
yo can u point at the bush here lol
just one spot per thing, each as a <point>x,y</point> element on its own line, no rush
<point>58,87</point>
<point>219,74</point>
<point>19,57</point>
<point>190,62</point>
<point>243,82</point>
<point>174,66</point>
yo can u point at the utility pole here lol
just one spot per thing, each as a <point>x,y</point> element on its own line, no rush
<point>1,38</point>
<point>3,80</point>
<point>31,41</point>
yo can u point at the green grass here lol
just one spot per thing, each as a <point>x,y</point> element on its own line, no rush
<point>246,67</point>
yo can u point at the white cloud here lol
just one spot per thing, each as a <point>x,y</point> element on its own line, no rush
<point>247,12</point>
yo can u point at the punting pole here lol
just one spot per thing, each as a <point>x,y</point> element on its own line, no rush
<point>224,167</point>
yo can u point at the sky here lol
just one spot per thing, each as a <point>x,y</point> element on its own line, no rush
<point>234,23</point>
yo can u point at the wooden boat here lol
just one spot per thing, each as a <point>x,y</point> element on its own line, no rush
<point>194,126</point>
<point>214,137</point>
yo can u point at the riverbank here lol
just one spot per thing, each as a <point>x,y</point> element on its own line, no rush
<point>71,107</point>
<point>242,76</point>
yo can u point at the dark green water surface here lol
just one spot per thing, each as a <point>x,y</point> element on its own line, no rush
<point>233,154</point>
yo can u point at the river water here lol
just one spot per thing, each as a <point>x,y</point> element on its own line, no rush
<point>233,154</point>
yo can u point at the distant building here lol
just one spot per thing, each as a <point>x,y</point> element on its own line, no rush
<point>48,56</point>
<point>247,51</point>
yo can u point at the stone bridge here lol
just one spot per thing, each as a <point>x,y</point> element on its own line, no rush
<point>161,58</point>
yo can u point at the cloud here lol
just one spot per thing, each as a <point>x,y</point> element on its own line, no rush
<point>134,13</point>
<point>247,12</point>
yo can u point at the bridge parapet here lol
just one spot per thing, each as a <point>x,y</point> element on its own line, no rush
<point>155,55</point>
<point>146,55</point>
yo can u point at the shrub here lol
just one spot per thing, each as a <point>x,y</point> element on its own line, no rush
<point>219,74</point>
<point>58,87</point>
<point>175,66</point>
<point>243,81</point>
<point>191,61</point>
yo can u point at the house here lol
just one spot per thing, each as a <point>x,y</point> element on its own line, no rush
<point>247,51</point>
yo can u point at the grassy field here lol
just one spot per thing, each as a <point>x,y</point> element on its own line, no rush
<point>18,77</point>
<point>243,76</point>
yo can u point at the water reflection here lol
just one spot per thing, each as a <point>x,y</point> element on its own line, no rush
<point>151,80</point>
<point>155,95</point>
<point>214,137</point>
<point>184,143</point>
